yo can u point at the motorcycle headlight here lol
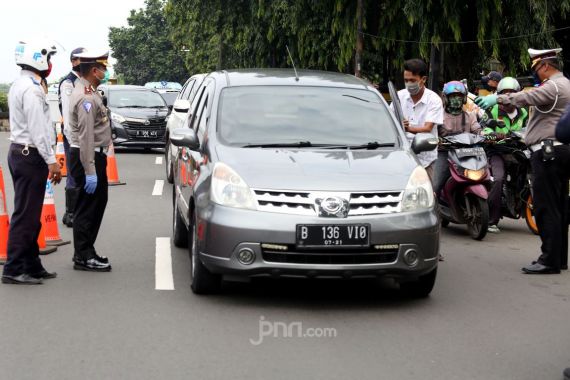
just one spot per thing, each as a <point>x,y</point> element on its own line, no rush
<point>474,175</point>
<point>419,192</point>
<point>229,189</point>
<point>117,118</point>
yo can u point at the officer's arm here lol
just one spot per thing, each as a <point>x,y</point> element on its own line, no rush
<point>38,124</point>
<point>540,96</point>
<point>86,113</point>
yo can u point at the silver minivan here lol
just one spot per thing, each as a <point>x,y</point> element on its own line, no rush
<point>301,175</point>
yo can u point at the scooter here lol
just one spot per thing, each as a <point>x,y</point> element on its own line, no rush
<point>463,199</point>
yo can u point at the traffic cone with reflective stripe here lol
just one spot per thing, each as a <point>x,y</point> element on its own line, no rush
<point>60,155</point>
<point>49,219</point>
<point>4,222</point>
<point>44,249</point>
<point>112,171</point>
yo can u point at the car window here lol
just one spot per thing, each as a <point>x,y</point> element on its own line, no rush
<point>321,115</point>
<point>135,98</point>
<point>187,89</point>
<point>202,119</point>
<point>194,107</point>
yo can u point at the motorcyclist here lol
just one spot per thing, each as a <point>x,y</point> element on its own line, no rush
<point>511,119</point>
<point>455,121</point>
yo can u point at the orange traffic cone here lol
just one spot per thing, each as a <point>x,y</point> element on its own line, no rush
<point>49,219</point>
<point>44,249</point>
<point>112,171</point>
<point>60,155</point>
<point>4,222</point>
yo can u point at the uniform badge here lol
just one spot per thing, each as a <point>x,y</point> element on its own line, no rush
<point>87,106</point>
<point>68,91</point>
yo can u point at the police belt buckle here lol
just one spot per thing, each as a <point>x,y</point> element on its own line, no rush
<point>25,151</point>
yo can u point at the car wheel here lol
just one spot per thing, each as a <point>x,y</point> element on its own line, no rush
<point>179,230</point>
<point>168,163</point>
<point>421,287</point>
<point>203,281</point>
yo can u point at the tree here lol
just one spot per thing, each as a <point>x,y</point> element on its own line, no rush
<point>143,50</point>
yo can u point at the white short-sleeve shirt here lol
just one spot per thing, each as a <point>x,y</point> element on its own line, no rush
<point>428,109</point>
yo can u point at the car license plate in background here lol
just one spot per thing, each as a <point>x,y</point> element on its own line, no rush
<point>325,235</point>
<point>467,152</point>
<point>144,133</point>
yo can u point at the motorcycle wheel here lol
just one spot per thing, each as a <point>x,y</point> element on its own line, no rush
<point>478,223</point>
<point>529,216</point>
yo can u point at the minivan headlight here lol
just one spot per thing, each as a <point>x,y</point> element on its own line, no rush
<point>419,192</point>
<point>117,118</point>
<point>229,189</point>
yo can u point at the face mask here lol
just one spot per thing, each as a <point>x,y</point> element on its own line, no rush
<point>413,88</point>
<point>490,88</point>
<point>536,78</point>
<point>105,77</point>
<point>454,105</point>
<point>76,68</point>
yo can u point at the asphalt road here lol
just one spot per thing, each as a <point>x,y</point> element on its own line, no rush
<point>484,319</point>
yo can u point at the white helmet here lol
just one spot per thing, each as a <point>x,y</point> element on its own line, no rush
<point>35,54</point>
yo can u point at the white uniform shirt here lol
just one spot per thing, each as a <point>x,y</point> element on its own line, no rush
<point>65,92</point>
<point>30,122</point>
<point>429,109</point>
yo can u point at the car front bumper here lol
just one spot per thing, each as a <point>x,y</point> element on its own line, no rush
<point>125,136</point>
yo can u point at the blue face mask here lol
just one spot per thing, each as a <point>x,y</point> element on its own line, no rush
<point>536,78</point>
<point>105,78</point>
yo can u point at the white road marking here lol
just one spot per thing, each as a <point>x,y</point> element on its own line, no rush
<point>158,185</point>
<point>163,267</point>
<point>158,160</point>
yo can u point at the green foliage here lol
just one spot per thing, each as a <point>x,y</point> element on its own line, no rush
<point>143,50</point>
<point>3,102</point>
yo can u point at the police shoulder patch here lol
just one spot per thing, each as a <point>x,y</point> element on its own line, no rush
<point>68,91</point>
<point>87,106</point>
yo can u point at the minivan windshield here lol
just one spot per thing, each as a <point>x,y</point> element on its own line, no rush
<point>135,99</point>
<point>306,116</point>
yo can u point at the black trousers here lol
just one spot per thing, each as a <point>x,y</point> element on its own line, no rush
<point>90,208</point>
<point>550,196</point>
<point>29,175</point>
<point>497,164</point>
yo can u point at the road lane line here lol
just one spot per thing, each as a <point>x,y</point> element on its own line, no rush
<point>163,267</point>
<point>158,160</point>
<point>158,185</point>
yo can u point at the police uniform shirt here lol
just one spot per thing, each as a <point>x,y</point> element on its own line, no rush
<point>30,122</point>
<point>553,92</point>
<point>65,93</point>
<point>88,123</point>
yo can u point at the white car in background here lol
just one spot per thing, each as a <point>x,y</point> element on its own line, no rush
<point>177,118</point>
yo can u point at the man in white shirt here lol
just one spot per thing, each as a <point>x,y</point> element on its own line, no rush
<point>422,108</point>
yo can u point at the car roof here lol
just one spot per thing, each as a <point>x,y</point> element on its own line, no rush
<point>116,87</point>
<point>277,77</point>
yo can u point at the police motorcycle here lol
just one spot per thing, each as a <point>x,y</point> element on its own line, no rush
<point>516,195</point>
<point>463,198</point>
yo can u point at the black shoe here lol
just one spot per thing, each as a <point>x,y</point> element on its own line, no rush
<point>562,267</point>
<point>539,269</point>
<point>44,275</point>
<point>92,265</point>
<point>23,279</point>
<point>567,374</point>
<point>102,259</point>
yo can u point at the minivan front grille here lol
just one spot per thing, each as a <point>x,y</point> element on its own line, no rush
<point>305,203</point>
<point>338,257</point>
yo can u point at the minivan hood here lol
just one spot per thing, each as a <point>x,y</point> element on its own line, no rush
<point>320,170</point>
<point>141,113</point>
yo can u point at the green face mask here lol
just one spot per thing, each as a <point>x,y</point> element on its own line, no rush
<point>105,78</point>
<point>454,105</point>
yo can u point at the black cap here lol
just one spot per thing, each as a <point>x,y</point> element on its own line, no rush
<point>494,75</point>
<point>75,52</point>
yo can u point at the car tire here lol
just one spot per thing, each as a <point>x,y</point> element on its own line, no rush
<point>203,281</point>
<point>168,163</point>
<point>421,287</point>
<point>179,230</point>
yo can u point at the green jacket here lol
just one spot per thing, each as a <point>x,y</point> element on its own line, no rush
<point>517,124</point>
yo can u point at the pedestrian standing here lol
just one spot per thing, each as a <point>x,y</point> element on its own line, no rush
<point>31,159</point>
<point>90,140</point>
<point>550,159</point>
<point>65,89</point>
<point>422,108</point>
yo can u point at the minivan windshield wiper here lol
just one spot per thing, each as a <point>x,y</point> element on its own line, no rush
<point>369,145</point>
<point>299,144</point>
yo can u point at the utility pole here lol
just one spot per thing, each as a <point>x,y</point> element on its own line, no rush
<point>359,39</point>
<point>434,69</point>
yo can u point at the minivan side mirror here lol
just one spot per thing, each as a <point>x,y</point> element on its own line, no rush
<point>185,137</point>
<point>181,105</point>
<point>424,142</point>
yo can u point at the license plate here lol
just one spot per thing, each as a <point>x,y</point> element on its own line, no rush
<point>467,152</point>
<point>330,235</point>
<point>144,133</point>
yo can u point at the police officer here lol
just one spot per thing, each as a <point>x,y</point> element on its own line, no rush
<point>65,89</point>
<point>31,159</point>
<point>90,139</point>
<point>550,160</point>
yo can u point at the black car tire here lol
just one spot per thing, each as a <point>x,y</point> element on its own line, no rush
<point>421,287</point>
<point>179,230</point>
<point>203,281</point>
<point>168,163</point>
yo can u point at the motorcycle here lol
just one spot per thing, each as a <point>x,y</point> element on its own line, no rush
<point>463,198</point>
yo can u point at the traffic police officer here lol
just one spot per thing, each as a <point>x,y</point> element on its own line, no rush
<point>31,159</point>
<point>90,139</point>
<point>65,89</point>
<point>550,159</point>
